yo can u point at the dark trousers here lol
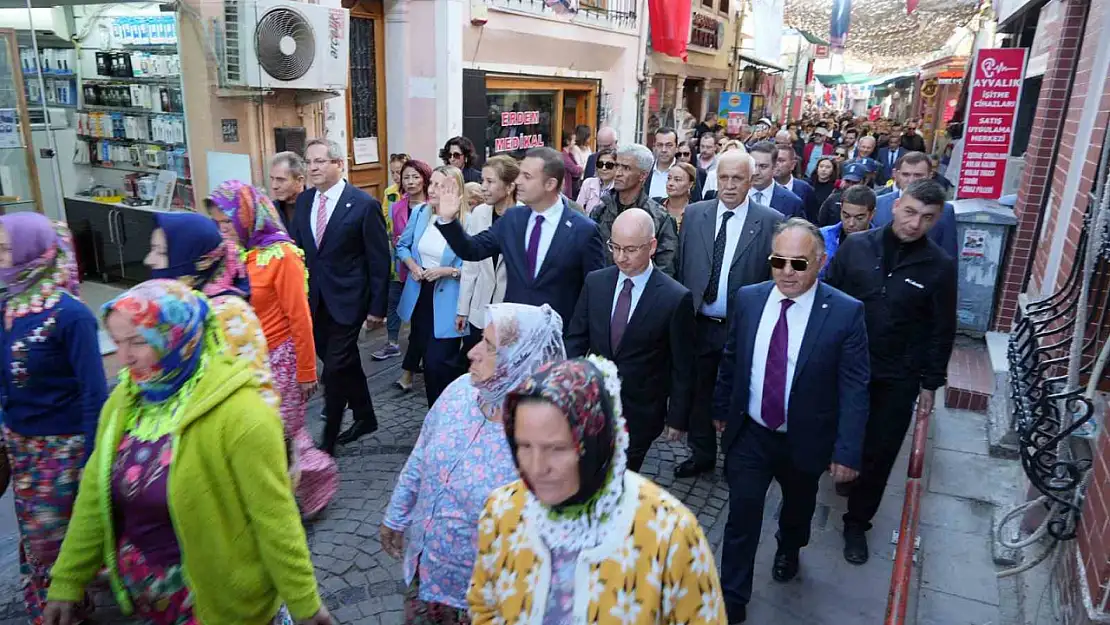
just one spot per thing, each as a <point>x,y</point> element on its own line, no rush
<point>470,340</point>
<point>392,319</point>
<point>343,378</point>
<point>643,429</point>
<point>757,456</point>
<point>441,356</point>
<point>702,437</point>
<point>891,413</point>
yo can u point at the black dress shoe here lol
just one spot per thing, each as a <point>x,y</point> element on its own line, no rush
<point>690,469</point>
<point>855,545</point>
<point>357,431</point>
<point>736,614</point>
<point>844,489</point>
<point>785,567</point>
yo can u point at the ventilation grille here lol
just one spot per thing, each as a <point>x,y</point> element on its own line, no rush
<point>285,44</point>
<point>232,63</point>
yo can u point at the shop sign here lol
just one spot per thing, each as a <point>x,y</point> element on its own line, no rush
<point>820,52</point>
<point>9,129</point>
<point>511,119</point>
<point>996,80</point>
<point>230,130</point>
<point>706,31</point>
<point>1048,32</point>
<point>736,121</point>
<point>732,102</point>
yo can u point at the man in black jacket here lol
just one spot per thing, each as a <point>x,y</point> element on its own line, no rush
<point>910,308</point>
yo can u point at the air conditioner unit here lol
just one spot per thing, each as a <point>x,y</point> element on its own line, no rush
<point>283,44</point>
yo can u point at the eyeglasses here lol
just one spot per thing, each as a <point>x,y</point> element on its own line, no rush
<point>628,249</point>
<point>607,165</point>
<point>455,154</point>
<point>685,153</point>
<point>779,262</point>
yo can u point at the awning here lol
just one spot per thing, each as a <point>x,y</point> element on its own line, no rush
<point>810,37</point>
<point>844,79</point>
<point>889,78</point>
<point>755,60</point>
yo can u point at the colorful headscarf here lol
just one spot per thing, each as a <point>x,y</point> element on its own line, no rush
<point>256,221</point>
<point>527,337</point>
<point>170,316</point>
<point>43,265</point>
<point>587,391</point>
<point>199,256</point>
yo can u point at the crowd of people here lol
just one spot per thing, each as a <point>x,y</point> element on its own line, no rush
<point>566,310</point>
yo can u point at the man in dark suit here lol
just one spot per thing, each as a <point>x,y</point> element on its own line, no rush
<point>666,148</point>
<point>791,399</point>
<point>764,190</point>
<point>606,139</point>
<point>342,231</point>
<point>723,245</point>
<point>914,166</point>
<point>642,320</point>
<point>912,141</point>
<point>547,246</point>
<point>785,162</point>
<point>889,154</point>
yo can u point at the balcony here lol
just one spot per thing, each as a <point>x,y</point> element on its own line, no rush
<point>618,15</point>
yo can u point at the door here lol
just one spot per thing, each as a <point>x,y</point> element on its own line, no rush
<point>367,154</point>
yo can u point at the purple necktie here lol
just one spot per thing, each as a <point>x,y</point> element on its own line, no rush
<point>534,246</point>
<point>773,408</point>
<point>620,315</point>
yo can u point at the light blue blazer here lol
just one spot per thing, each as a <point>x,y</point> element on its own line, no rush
<point>445,303</point>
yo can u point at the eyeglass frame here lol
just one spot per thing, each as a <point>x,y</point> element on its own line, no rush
<point>615,249</point>
<point>794,262</point>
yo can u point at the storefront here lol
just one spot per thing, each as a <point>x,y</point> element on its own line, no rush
<point>937,94</point>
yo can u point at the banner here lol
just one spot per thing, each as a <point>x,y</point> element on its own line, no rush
<point>732,102</point>
<point>766,19</point>
<point>670,26</point>
<point>996,78</point>
<point>839,23</point>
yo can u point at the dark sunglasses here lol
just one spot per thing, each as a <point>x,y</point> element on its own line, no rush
<point>455,154</point>
<point>685,153</point>
<point>779,262</point>
<point>607,165</point>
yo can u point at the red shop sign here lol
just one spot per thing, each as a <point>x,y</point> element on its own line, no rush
<point>996,79</point>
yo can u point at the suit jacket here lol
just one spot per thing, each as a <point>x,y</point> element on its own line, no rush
<point>828,403</point>
<point>591,167</point>
<point>350,269</point>
<point>696,191</point>
<point>803,190</point>
<point>887,170</point>
<point>656,356</point>
<point>943,232</point>
<point>575,251</point>
<point>481,283</point>
<point>784,201</point>
<point>748,265</point>
<point>445,296</point>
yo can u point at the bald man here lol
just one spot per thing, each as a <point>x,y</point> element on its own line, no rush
<point>642,320</point>
<point>606,138</point>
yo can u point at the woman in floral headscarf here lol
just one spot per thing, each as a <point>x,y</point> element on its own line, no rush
<point>275,266</point>
<point>460,457</point>
<point>578,512</point>
<point>186,499</point>
<point>53,388</point>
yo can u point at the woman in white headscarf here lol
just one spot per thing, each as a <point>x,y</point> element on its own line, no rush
<point>460,457</point>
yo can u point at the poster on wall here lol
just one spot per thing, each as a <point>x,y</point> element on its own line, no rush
<point>736,121</point>
<point>9,129</point>
<point>996,80</point>
<point>733,102</point>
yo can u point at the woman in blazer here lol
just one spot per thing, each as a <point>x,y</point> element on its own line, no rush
<point>430,298</point>
<point>483,282</point>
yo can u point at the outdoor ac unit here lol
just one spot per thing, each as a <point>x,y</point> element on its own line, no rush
<point>283,44</point>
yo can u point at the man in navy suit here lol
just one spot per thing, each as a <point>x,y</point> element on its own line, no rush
<point>791,399</point>
<point>342,232</point>
<point>914,166</point>
<point>764,190</point>
<point>548,247</point>
<point>888,155</point>
<point>785,162</point>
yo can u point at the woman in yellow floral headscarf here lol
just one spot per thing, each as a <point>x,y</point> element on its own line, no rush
<point>277,274</point>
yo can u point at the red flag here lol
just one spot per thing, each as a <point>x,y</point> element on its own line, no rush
<point>670,26</point>
<point>911,6</point>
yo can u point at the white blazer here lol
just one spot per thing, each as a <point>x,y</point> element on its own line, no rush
<point>480,284</point>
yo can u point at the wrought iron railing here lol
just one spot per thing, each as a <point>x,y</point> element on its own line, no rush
<point>615,14</point>
<point>1053,347</point>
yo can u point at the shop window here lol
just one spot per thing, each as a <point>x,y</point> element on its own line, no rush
<point>723,7</point>
<point>364,81</point>
<point>1027,110</point>
<point>706,31</point>
<point>520,120</point>
<point>661,105</point>
<point>707,3</point>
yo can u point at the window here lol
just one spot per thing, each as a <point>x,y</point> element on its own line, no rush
<point>723,7</point>
<point>707,3</point>
<point>519,120</point>
<point>364,84</point>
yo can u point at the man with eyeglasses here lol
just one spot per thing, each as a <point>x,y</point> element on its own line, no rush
<point>791,400</point>
<point>907,284</point>
<point>642,320</point>
<point>857,210</point>
<point>723,246</point>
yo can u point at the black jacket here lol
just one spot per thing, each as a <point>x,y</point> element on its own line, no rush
<point>910,306</point>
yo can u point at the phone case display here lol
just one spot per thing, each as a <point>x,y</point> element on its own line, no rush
<point>132,113</point>
<point>58,75</point>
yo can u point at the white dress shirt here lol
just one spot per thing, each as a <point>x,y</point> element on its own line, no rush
<point>551,218</point>
<point>764,199</point>
<point>638,284</point>
<point>333,200</point>
<point>789,184</point>
<point>735,226</point>
<point>797,318</point>
<point>659,181</point>
<point>431,246</point>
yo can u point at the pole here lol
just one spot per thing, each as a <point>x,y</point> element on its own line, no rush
<point>794,80</point>
<point>734,79</point>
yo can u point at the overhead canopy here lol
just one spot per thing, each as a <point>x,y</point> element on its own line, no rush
<point>844,79</point>
<point>889,78</point>
<point>811,38</point>
<point>754,60</point>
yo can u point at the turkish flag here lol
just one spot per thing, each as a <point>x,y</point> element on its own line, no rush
<point>911,6</point>
<point>670,26</point>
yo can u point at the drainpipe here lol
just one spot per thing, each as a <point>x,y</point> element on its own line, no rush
<point>641,68</point>
<point>734,77</point>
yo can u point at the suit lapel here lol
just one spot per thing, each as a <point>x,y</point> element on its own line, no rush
<point>817,318</point>
<point>753,225</point>
<point>709,230</point>
<point>605,307</point>
<point>342,207</point>
<point>562,236</point>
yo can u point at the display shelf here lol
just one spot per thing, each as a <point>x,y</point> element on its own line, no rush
<point>96,108</point>
<point>52,105</point>
<point>16,203</point>
<point>134,80</point>
<point>125,141</point>
<point>141,170</point>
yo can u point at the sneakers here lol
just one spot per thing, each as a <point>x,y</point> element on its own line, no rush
<point>390,350</point>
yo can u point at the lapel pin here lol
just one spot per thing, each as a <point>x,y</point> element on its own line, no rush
<point>824,305</point>
<point>568,223</point>
<point>348,204</point>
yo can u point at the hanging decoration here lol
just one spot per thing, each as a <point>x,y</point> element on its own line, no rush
<point>882,28</point>
<point>911,6</point>
<point>839,22</point>
<point>670,26</point>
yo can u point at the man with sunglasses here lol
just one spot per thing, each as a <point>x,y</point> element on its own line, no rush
<point>911,325</point>
<point>723,246</point>
<point>791,399</point>
<point>642,320</point>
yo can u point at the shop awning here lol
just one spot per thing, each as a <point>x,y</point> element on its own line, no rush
<point>889,78</point>
<point>811,38</point>
<point>844,79</point>
<point>755,60</point>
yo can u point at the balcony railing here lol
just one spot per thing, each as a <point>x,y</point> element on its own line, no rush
<point>612,14</point>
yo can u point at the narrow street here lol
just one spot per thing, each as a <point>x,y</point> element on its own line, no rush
<point>954,582</point>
